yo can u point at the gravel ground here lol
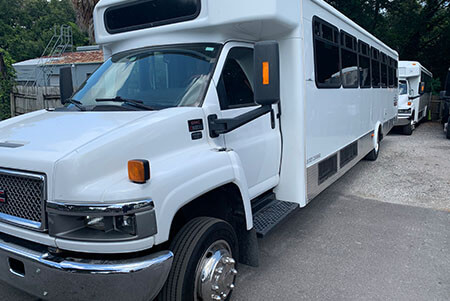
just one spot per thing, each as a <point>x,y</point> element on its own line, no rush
<point>411,170</point>
<point>380,233</point>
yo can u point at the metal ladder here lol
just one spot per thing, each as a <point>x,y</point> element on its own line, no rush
<point>61,42</point>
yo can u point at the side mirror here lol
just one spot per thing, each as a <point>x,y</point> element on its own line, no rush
<point>422,88</point>
<point>267,73</point>
<point>65,84</point>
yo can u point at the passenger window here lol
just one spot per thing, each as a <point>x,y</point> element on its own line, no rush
<point>350,74</point>
<point>391,72</point>
<point>376,76</point>
<point>395,74</point>
<point>235,87</point>
<point>326,47</point>
<point>364,65</point>
<point>384,71</point>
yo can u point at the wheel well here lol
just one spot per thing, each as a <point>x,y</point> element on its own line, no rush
<point>380,133</point>
<point>224,202</point>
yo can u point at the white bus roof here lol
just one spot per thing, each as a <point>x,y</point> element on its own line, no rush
<point>222,20</point>
<point>412,68</point>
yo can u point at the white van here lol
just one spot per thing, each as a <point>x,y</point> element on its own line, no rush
<point>209,123</point>
<point>415,95</point>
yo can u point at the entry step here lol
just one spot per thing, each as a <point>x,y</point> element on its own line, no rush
<point>272,214</point>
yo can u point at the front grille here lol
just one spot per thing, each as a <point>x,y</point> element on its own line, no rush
<point>24,196</point>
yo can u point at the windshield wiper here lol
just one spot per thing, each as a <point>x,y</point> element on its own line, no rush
<point>137,103</point>
<point>77,103</point>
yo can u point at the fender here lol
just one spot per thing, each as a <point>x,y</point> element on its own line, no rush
<point>215,170</point>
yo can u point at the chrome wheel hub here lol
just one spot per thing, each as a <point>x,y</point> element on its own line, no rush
<point>216,273</point>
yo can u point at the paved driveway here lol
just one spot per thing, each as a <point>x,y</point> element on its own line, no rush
<point>382,232</point>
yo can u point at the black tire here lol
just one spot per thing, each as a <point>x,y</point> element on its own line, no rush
<point>408,129</point>
<point>373,155</point>
<point>448,128</point>
<point>189,246</point>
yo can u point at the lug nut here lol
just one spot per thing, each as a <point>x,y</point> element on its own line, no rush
<point>234,271</point>
<point>224,295</point>
<point>215,287</point>
<point>219,270</point>
<point>231,286</point>
<point>216,297</point>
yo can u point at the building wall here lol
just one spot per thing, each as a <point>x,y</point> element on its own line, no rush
<point>28,73</point>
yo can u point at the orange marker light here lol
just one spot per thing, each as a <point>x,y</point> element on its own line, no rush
<point>266,80</point>
<point>409,103</point>
<point>139,171</point>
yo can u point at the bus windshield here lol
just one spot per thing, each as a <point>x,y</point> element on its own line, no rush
<point>403,88</point>
<point>157,78</point>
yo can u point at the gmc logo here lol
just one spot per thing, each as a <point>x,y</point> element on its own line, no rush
<point>2,197</point>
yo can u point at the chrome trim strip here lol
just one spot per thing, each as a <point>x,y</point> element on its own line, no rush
<point>22,174</point>
<point>24,223</point>
<point>19,221</point>
<point>79,209</point>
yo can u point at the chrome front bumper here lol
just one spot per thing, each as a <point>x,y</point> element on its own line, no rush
<point>30,268</point>
<point>403,119</point>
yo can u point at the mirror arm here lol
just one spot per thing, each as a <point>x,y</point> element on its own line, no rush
<point>414,97</point>
<point>222,126</point>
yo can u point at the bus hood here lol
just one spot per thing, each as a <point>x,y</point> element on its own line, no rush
<point>84,155</point>
<point>29,141</point>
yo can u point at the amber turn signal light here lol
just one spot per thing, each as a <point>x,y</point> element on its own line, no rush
<point>266,72</point>
<point>139,171</point>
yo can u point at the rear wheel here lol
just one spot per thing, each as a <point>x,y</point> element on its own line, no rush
<point>373,155</point>
<point>204,267</point>
<point>448,128</point>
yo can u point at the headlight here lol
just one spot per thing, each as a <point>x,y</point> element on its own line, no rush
<point>100,222</point>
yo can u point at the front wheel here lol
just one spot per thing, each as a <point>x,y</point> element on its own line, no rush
<point>408,129</point>
<point>204,266</point>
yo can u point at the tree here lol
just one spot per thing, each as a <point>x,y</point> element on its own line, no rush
<point>6,83</point>
<point>418,29</point>
<point>85,10</point>
<point>26,25</point>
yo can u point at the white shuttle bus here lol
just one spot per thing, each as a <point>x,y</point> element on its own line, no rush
<point>209,123</point>
<point>415,95</point>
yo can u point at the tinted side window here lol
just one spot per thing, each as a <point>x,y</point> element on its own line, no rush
<point>349,56</point>
<point>364,65</point>
<point>384,71</point>
<point>149,13</point>
<point>395,73</point>
<point>235,85</point>
<point>376,76</point>
<point>326,48</point>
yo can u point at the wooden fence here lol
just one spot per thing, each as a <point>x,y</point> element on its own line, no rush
<point>28,99</point>
<point>436,108</point>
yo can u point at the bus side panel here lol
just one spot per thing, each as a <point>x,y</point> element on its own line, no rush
<point>340,119</point>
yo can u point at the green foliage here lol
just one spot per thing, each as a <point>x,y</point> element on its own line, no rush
<point>436,86</point>
<point>418,29</point>
<point>6,83</point>
<point>26,25</point>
